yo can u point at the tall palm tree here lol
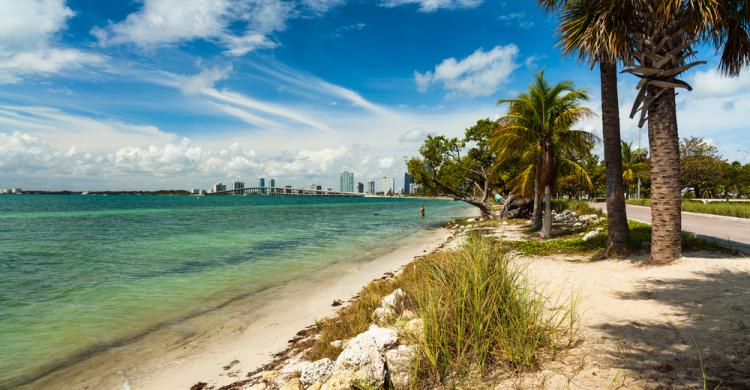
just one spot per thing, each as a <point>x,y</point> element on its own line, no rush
<point>537,127</point>
<point>633,164</point>
<point>665,33</point>
<point>660,36</point>
<point>597,39</point>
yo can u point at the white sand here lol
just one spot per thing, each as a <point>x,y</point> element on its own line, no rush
<point>176,358</point>
<point>642,326</point>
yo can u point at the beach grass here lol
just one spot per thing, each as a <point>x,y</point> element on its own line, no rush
<point>730,209</point>
<point>479,312</point>
<point>478,309</point>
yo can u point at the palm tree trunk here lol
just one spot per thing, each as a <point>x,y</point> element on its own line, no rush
<point>536,217</point>
<point>666,242</point>
<point>547,224</point>
<point>617,221</point>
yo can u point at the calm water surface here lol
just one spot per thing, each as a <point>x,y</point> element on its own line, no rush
<point>83,272</point>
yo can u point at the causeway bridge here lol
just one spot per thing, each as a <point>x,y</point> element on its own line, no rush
<point>283,191</point>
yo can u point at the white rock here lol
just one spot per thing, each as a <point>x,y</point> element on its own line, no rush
<point>471,220</point>
<point>337,343</point>
<point>317,371</point>
<point>363,360</point>
<point>394,300</point>
<point>590,235</point>
<point>383,314</point>
<point>599,230</point>
<point>408,315</point>
<point>578,224</point>
<point>415,327</point>
<point>400,365</point>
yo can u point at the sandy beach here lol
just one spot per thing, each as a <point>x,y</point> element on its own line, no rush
<point>250,331</point>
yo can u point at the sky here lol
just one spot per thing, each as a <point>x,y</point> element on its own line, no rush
<point>180,94</point>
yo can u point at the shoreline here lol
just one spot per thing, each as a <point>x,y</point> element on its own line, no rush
<point>249,330</point>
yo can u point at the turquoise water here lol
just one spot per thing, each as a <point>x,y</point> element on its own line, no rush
<point>79,273</point>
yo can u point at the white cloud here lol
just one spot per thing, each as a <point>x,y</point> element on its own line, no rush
<point>434,5</point>
<point>27,30</point>
<point>517,19</point>
<point>711,83</point>
<point>161,22</point>
<point>386,162</point>
<point>204,80</point>
<point>414,135</point>
<point>479,74</point>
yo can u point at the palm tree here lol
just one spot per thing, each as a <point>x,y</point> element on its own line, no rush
<point>660,36</point>
<point>537,130</point>
<point>633,164</point>
<point>595,38</point>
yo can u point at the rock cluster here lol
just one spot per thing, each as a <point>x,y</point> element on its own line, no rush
<point>570,217</point>
<point>373,358</point>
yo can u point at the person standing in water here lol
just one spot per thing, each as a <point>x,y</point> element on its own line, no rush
<point>421,210</point>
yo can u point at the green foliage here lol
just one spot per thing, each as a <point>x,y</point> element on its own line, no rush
<point>479,311</point>
<point>536,134</point>
<point>457,167</point>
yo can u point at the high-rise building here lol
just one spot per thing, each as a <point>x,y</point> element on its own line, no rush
<point>262,185</point>
<point>360,188</point>
<point>318,188</point>
<point>389,185</point>
<point>346,181</point>
<point>272,183</point>
<point>371,187</point>
<point>407,183</point>
<point>218,187</point>
<point>238,185</point>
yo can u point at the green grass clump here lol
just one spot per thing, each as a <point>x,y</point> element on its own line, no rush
<point>730,209</point>
<point>479,311</point>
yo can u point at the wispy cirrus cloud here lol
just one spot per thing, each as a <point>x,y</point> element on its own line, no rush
<point>434,5</point>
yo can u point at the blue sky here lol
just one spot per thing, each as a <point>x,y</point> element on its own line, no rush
<point>153,94</point>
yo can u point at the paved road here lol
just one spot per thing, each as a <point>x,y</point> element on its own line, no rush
<point>735,230</point>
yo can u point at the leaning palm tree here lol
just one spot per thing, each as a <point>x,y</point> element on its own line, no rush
<point>598,39</point>
<point>537,127</point>
<point>633,164</point>
<point>661,35</point>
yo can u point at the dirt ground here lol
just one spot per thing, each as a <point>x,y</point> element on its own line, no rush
<point>646,327</point>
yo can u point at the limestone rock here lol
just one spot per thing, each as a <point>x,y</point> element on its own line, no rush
<point>394,300</point>
<point>408,315</point>
<point>317,371</point>
<point>590,235</point>
<point>337,343</point>
<point>363,360</point>
<point>400,364</point>
<point>414,327</point>
<point>383,314</point>
<point>578,224</point>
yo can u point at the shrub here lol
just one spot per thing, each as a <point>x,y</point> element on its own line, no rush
<point>479,310</point>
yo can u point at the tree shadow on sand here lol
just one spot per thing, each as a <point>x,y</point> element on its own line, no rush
<point>712,316</point>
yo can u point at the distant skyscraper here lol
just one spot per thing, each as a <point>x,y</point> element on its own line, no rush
<point>371,187</point>
<point>360,188</point>
<point>272,183</point>
<point>346,181</point>
<point>218,187</point>
<point>238,185</point>
<point>389,185</point>
<point>407,183</point>
<point>262,185</point>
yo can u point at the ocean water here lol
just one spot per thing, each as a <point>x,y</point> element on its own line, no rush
<point>80,273</point>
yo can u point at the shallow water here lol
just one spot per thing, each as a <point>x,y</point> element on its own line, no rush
<point>79,273</point>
